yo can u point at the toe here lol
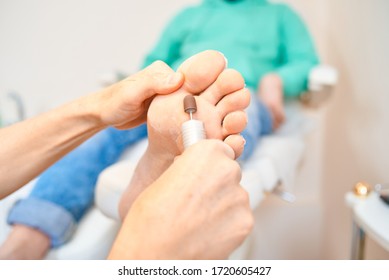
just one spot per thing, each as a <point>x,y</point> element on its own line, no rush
<point>234,123</point>
<point>202,70</point>
<point>235,101</point>
<point>236,142</point>
<point>228,82</point>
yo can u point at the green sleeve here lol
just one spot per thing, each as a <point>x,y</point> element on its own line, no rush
<point>168,47</point>
<point>298,53</point>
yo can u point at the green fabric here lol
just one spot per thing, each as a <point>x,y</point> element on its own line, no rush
<point>256,36</point>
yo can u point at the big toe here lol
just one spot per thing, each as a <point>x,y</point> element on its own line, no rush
<point>202,70</point>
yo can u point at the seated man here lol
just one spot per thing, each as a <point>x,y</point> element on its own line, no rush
<point>268,43</point>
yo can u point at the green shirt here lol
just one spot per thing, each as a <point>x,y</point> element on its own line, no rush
<point>256,36</point>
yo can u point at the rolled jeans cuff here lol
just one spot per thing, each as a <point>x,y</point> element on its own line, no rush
<point>51,219</point>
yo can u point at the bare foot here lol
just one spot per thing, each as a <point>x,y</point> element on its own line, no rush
<point>221,99</point>
<point>25,243</point>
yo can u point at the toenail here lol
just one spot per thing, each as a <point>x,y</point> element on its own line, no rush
<point>225,58</point>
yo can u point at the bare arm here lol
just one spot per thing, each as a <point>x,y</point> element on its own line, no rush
<point>29,147</point>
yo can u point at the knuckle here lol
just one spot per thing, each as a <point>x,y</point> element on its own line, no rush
<point>246,225</point>
<point>213,144</point>
<point>238,170</point>
<point>247,217</point>
<point>215,154</point>
<point>211,147</point>
<point>243,197</point>
<point>247,196</point>
<point>230,170</point>
<point>249,222</point>
<point>234,170</point>
<point>156,71</point>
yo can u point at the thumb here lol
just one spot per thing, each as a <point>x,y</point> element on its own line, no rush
<point>158,78</point>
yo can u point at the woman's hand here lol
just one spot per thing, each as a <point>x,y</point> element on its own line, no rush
<point>125,103</point>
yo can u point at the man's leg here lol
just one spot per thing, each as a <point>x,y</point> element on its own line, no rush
<point>63,194</point>
<point>259,124</point>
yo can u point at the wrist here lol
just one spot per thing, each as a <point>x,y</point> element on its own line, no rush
<point>271,87</point>
<point>89,108</point>
<point>270,82</point>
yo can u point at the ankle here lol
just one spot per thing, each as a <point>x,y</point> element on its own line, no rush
<point>25,243</point>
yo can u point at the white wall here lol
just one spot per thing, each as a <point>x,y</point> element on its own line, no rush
<point>352,144</point>
<point>53,51</point>
<point>358,121</point>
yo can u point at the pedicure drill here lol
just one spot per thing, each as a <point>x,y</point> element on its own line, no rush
<point>192,130</point>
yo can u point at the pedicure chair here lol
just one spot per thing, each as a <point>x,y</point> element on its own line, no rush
<point>270,171</point>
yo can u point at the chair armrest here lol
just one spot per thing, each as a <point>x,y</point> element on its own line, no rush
<point>321,82</point>
<point>322,76</point>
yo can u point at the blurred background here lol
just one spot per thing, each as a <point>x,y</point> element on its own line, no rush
<point>54,51</point>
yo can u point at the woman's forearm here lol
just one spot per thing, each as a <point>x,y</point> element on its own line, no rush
<point>29,147</point>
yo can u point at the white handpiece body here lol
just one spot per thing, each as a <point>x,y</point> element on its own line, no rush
<point>192,132</point>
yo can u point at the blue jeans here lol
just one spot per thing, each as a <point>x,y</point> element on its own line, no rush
<point>259,124</point>
<point>65,191</point>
